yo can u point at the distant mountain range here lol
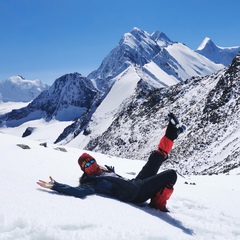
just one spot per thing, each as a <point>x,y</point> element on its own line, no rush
<point>121,107</point>
<point>18,89</point>
<point>154,56</point>
<point>152,60</point>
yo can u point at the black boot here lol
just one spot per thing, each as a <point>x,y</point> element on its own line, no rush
<point>174,127</point>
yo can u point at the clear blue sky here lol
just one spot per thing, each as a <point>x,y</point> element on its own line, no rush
<point>44,39</point>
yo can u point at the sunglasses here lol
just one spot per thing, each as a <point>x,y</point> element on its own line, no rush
<point>87,164</point>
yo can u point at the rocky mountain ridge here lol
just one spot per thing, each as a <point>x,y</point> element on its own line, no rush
<point>208,106</point>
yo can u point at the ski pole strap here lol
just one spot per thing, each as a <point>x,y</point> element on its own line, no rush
<point>165,146</point>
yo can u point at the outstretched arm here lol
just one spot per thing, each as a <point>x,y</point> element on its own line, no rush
<point>80,191</point>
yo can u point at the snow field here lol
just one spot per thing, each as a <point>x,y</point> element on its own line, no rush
<point>207,210</point>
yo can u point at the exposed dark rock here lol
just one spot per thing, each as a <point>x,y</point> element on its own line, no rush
<point>28,131</point>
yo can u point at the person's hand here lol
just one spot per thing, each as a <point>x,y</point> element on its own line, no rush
<point>46,184</point>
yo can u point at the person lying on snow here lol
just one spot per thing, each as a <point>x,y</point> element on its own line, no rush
<point>148,184</point>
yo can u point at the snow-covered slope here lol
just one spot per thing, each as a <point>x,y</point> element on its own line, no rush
<point>18,89</point>
<point>6,107</point>
<point>223,55</point>
<point>202,207</point>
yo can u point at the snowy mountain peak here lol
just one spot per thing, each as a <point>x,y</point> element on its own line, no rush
<point>136,38</point>
<point>206,43</point>
<point>154,57</point>
<point>16,78</point>
<point>21,81</point>
<point>158,37</point>
<point>18,89</point>
<point>161,39</point>
<point>137,31</point>
<point>223,55</point>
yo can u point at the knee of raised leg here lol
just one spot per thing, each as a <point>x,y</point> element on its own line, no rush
<point>173,174</point>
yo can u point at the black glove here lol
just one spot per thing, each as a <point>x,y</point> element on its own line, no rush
<point>174,128</point>
<point>110,168</point>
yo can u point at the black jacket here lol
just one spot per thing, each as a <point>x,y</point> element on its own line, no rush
<point>107,183</point>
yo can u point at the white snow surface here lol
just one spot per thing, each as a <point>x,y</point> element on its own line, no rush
<point>184,56</point>
<point>205,208</point>
<point>5,107</point>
